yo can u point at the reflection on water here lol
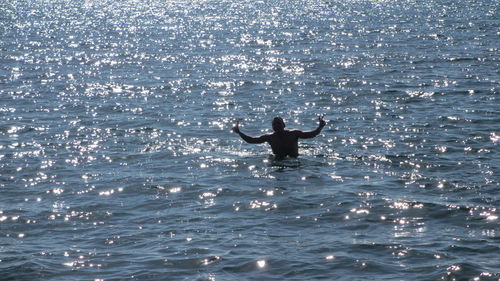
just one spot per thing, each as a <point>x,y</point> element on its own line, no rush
<point>117,160</point>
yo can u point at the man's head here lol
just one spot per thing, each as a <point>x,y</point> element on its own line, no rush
<point>278,124</point>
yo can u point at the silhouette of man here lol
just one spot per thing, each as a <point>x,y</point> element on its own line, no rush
<point>283,142</point>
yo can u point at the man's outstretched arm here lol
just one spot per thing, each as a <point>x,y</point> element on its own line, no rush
<point>312,134</point>
<point>249,139</point>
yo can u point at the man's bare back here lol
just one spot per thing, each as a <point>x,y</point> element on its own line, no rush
<point>283,142</point>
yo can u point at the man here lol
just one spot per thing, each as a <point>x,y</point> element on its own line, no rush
<point>283,142</point>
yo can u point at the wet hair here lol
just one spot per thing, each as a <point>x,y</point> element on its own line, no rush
<point>276,121</point>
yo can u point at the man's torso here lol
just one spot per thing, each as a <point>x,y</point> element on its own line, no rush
<point>284,144</point>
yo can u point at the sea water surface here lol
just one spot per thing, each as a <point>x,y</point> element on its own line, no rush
<point>117,159</point>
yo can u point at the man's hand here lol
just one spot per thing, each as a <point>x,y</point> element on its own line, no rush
<point>322,122</point>
<point>236,127</point>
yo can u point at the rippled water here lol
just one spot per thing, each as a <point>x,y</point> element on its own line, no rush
<point>117,160</point>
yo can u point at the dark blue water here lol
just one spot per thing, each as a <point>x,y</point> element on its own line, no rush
<point>117,159</point>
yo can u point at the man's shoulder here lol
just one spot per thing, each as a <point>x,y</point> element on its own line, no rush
<point>289,133</point>
<point>285,132</point>
<point>267,136</point>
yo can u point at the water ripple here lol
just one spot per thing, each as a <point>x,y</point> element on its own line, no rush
<point>117,160</point>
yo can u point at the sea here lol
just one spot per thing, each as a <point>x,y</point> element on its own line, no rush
<point>118,160</point>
